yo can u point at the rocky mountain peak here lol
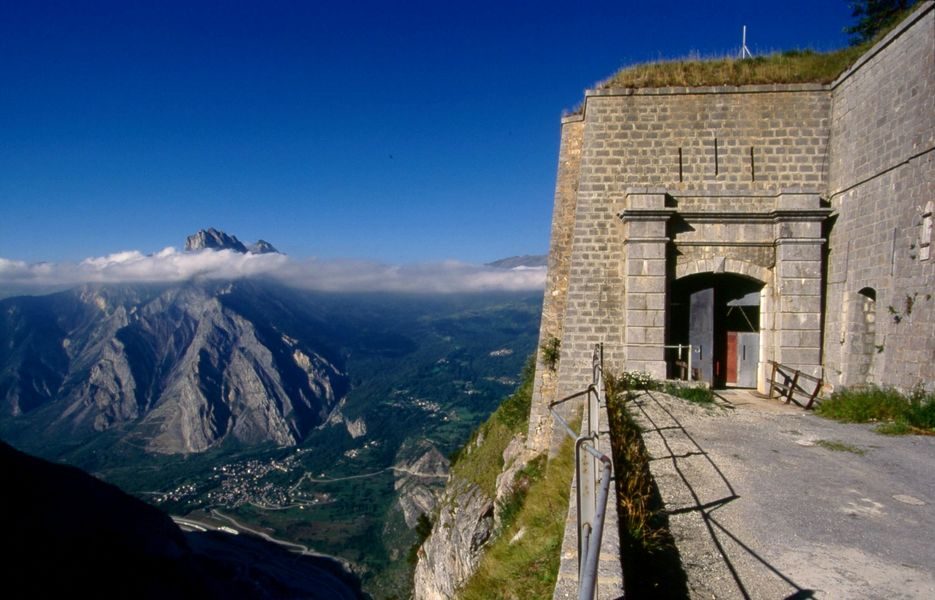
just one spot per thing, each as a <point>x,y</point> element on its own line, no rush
<point>218,240</point>
<point>524,261</point>
<point>262,247</point>
<point>214,239</point>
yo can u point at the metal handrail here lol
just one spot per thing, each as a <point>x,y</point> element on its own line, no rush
<point>592,490</point>
<point>679,347</point>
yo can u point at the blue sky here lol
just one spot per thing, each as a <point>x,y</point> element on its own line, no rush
<point>400,132</point>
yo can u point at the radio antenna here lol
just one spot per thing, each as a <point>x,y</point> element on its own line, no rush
<point>744,51</point>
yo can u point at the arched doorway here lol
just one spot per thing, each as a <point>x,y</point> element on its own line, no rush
<point>718,314</point>
<point>860,349</point>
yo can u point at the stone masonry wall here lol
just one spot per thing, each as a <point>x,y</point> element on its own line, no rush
<point>882,174</point>
<point>633,141</point>
<point>556,285</point>
<point>636,157</point>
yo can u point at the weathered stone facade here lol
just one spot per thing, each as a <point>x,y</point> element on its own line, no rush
<point>814,194</point>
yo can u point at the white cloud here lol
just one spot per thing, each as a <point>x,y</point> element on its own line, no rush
<point>171,265</point>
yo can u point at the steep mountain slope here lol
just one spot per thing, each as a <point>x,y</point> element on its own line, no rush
<point>178,368</point>
<point>71,535</point>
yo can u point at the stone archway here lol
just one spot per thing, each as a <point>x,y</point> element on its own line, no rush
<point>773,238</point>
<point>720,314</point>
<point>721,264</point>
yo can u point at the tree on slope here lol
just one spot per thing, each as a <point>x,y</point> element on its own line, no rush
<point>873,16</point>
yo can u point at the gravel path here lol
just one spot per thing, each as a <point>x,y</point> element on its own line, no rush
<point>768,501</point>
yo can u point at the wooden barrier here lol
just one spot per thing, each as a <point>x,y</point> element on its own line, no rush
<point>789,382</point>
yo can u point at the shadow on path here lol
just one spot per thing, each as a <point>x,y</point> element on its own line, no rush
<point>717,531</point>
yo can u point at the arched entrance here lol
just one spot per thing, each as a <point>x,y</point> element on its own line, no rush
<point>858,346</point>
<point>718,314</point>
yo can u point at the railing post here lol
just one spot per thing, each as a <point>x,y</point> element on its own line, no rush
<point>691,349</point>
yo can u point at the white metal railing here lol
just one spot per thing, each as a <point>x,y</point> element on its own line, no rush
<point>688,348</point>
<point>592,484</point>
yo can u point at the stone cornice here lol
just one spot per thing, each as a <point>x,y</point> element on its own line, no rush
<point>646,214</point>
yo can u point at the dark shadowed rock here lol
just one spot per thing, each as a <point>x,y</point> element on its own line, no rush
<point>70,535</point>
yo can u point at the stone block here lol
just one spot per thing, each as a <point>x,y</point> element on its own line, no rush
<point>797,321</point>
<point>811,251</point>
<point>645,353</point>
<point>799,304</point>
<point>799,339</point>
<point>645,201</point>
<point>647,229</point>
<point>799,269</point>
<point>646,267</point>
<point>645,284</point>
<point>646,318</point>
<point>636,250</point>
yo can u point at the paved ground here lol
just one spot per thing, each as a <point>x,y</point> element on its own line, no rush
<point>761,507</point>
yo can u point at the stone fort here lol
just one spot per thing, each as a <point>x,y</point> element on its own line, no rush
<point>786,223</point>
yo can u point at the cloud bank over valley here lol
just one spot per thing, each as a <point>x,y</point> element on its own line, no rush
<point>171,265</point>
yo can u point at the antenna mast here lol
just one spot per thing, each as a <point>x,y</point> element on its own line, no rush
<point>744,51</point>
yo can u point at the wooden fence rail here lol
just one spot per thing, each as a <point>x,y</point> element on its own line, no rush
<point>789,382</point>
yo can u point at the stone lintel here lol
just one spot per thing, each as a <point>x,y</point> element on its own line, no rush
<point>646,240</point>
<point>812,214</point>
<point>647,214</point>
<point>720,242</point>
<point>772,216</point>
<point>790,241</point>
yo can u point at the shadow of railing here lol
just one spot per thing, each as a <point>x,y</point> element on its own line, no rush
<point>715,528</point>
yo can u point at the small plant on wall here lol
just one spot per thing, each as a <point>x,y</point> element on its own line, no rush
<point>550,352</point>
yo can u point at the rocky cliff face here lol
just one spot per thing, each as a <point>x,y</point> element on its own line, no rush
<point>420,471</point>
<point>467,520</point>
<point>451,553</point>
<point>179,369</point>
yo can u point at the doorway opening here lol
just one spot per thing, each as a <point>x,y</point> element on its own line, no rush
<point>719,315</point>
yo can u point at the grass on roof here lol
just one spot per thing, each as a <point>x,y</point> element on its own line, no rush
<point>794,66</point>
<point>786,67</point>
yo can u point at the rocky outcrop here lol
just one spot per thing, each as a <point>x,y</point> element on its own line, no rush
<point>515,457</point>
<point>420,473</point>
<point>467,520</point>
<point>451,553</point>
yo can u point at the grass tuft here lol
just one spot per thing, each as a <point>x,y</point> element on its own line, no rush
<point>836,446</point>
<point>638,380</point>
<point>898,413</point>
<point>651,564</point>
<point>526,567</point>
<point>692,393</point>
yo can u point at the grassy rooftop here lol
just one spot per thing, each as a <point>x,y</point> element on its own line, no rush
<point>786,67</point>
<point>794,66</point>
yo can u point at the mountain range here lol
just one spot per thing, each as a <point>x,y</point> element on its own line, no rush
<point>324,418</point>
<point>180,368</point>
